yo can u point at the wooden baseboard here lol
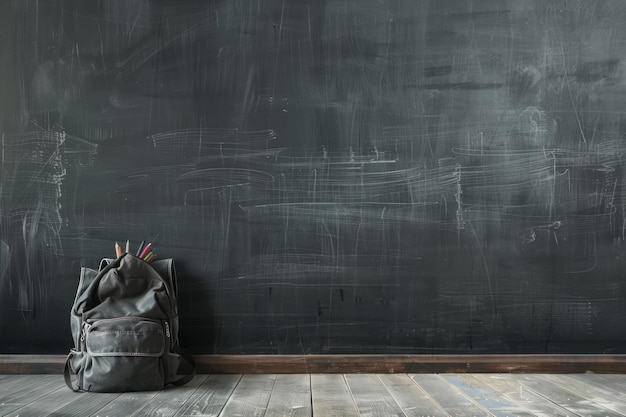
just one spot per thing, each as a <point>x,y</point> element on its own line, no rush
<point>293,364</point>
<point>411,363</point>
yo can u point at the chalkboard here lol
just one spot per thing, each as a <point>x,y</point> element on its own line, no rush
<point>330,176</point>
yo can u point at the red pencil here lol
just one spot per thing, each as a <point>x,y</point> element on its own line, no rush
<point>145,250</point>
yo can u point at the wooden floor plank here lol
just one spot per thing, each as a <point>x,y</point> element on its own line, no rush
<point>170,400</point>
<point>250,397</point>
<point>331,396</point>
<point>371,396</point>
<point>613,399</point>
<point>210,397</point>
<point>453,401</point>
<point>11,384</point>
<point>126,404</point>
<point>413,401</point>
<point>610,381</point>
<point>563,397</point>
<point>291,396</point>
<point>27,389</point>
<point>5,377</point>
<point>535,403</point>
<point>83,404</point>
<point>483,394</point>
<point>48,404</point>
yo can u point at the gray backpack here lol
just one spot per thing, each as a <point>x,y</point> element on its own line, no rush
<point>124,323</point>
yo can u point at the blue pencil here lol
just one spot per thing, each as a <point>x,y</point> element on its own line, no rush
<point>140,247</point>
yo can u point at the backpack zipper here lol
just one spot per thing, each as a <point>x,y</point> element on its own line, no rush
<point>83,334</point>
<point>89,323</point>
<point>130,318</point>
<point>167,329</point>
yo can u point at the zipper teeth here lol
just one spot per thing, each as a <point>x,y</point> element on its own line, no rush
<point>91,322</point>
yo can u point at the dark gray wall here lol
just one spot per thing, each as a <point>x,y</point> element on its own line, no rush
<point>372,176</point>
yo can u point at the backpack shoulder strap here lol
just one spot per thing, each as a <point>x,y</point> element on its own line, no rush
<point>166,268</point>
<point>87,276</point>
<point>67,374</point>
<point>190,363</point>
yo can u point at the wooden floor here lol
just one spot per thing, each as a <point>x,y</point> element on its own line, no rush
<point>323,395</point>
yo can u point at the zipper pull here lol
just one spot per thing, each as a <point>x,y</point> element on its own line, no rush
<point>84,330</point>
<point>167,329</point>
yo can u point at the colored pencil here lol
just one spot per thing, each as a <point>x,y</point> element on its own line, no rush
<point>118,250</point>
<point>145,250</point>
<point>140,247</point>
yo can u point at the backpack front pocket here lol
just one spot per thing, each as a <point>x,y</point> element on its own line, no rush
<point>124,354</point>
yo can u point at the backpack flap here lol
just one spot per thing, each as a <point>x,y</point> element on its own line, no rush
<point>130,287</point>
